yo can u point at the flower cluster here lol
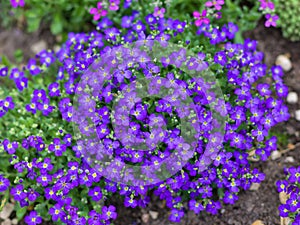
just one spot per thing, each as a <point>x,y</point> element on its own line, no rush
<point>103,6</point>
<point>213,10</point>
<point>290,192</point>
<point>152,113</point>
<point>267,8</point>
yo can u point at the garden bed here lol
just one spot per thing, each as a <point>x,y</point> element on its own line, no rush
<point>259,203</point>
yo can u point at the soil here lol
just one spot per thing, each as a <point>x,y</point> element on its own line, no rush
<point>16,38</point>
<point>261,204</point>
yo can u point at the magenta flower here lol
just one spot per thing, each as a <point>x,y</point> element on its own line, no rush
<point>271,20</point>
<point>16,3</point>
<point>114,5</point>
<point>215,3</point>
<point>200,18</point>
<point>266,4</point>
<point>98,12</point>
<point>159,12</point>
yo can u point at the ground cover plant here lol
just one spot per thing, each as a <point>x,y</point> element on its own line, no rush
<point>145,103</point>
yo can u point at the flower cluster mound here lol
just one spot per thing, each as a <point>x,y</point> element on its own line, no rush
<point>130,109</point>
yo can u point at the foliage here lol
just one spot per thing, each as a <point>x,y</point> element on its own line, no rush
<point>289,21</point>
<point>61,16</point>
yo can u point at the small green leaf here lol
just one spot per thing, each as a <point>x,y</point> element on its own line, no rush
<point>238,37</point>
<point>33,20</point>
<point>5,61</point>
<point>20,211</point>
<point>57,24</point>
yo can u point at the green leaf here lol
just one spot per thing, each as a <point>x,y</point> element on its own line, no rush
<point>238,37</point>
<point>221,192</point>
<point>33,20</point>
<point>42,210</point>
<point>57,24</point>
<point>18,55</point>
<point>20,211</point>
<point>5,61</point>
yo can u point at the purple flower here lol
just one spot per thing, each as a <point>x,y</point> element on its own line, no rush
<point>127,21</point>
<point>159,12</point>
<point>16,3</point>
<point>18,192</point>
<point>282,185</point>
<point>201,18</point>
<point>32,195</point>
<point>4,183</point>
<point>230,198</point>
<point>109,212</point>
<point>112,33</point>
<point>50,193</point>
<point>94,218</point>
<point>57,147</point>
<point>95,193</point>
<point>176,215</point>
<point>215,3</point>
<point>271,20</point>
<point>130,202</point>
<point>264,4</point>
<point>114,5</point>
<point>45,165</point>
<point>39,95</point>
<point>32,107</point>
<point>284,210</point>
<point>15,74</point>
<point>195,206</point>
<point>45,108</point>
<point>32,67</point>
<point>68,139</point>
<point>33,218</point>
<point>54,89</point>
<point>98,12</point>
<point>215,36</point>
<point>21,83</point>
<point>281,90</point>
<point>8,103</point>
<point>213,207</point>
<point>3,71</point>
<point>294,175</point>
<point>232,30</point>
<point>179,26</point>
<point>104,23</point>
<point>260,133</point>
<point>44,179</point>
<point>220,58</point>
<point>56,212</point>
<point>10,147</point>
<point>264,89</point>
<point>139,27</point>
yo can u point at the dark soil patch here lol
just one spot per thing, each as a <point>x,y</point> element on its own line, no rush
<point>15,38</point>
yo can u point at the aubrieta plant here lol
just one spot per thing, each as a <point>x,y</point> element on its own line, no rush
<point>147,105</point>
<point>289,22</point>
<point>289,189</point>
